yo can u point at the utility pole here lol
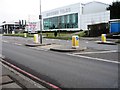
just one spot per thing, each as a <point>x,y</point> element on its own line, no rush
<point>40,17</point>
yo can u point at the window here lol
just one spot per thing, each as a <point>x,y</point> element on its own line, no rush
<point>61,22</point>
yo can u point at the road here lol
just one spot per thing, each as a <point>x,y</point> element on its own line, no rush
<point>61,69</point>
<point>82,43</point>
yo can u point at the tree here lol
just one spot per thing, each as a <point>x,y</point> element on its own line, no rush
<point>114,10</point>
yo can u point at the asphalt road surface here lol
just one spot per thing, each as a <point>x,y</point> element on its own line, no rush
<point>63,70</point>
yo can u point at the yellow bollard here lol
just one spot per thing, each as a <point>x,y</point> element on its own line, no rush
<point>25,34</point>
<point>13,32</point>
<point>75,41</point>
<point>103,37</point>
<point>36,38</point>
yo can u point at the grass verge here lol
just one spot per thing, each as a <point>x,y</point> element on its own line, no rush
<point>18,35</point>
<point>118,41</point>
<point>50,35</point>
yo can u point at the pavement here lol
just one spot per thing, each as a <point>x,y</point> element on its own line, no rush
<point>11,79</point>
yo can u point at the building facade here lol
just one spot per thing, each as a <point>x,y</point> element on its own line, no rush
<point>8,27</point>
<point>75,17</point>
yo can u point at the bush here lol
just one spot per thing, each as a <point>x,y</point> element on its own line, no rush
<point>118,41</point>
<point>81,34</point>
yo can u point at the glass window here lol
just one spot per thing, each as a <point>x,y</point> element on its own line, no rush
<point>56,22</point>
<point>50,23</point>
<point>70,23</point>
<point>62,19</point>
<point>73,18</point>
<point>68,19</point>
<point>59,22</point>
<point>65,21</point>
<point>46,24</point>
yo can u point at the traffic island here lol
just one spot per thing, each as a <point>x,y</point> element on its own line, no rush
<point>37,44</point>
<point>66,49</point>
<point>107,43</point>
<point>104,41</point>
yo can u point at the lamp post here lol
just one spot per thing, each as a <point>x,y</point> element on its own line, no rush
<point>40,17</point>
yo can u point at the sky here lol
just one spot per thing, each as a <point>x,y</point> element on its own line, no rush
<point>14,10</point>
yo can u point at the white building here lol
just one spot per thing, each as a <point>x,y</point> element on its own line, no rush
<point>75,17</point>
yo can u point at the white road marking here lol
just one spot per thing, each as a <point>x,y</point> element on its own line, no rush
<point>52,39</point>
<point>35,48</point>
<point>96,52</point>
<point>13,43</point>
<point>86,42</point>
<point>5,41</point>
<point>18,44</point>
<point>97,59</point>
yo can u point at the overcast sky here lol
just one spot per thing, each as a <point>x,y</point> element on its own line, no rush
<point>12,10</point>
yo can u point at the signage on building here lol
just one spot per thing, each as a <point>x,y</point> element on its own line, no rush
<point>75,8</point>
<point>32,27</point>
<point>61,11</point>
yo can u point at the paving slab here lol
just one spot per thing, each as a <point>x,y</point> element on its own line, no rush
<point>5,79</point>
<point>17,80</point>
<point>11,85</point>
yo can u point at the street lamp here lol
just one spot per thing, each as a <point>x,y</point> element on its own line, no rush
<point>40,17</point>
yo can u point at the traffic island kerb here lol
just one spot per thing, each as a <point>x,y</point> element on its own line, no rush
<point>107,43</point>
<point>37,44</point>
<point>59,49</point>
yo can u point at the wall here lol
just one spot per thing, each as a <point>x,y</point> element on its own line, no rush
<point>94,7</point>
<point>94,18</point>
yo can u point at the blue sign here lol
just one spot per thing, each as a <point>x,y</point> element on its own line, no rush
<point>114,27</point>
<point>77,38</point>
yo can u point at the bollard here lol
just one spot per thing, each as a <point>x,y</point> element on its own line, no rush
<point>13,32</point>
<point>25,35</point>
<point>75,42</point>
<point>103,37</point>
<point>36,39</point>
